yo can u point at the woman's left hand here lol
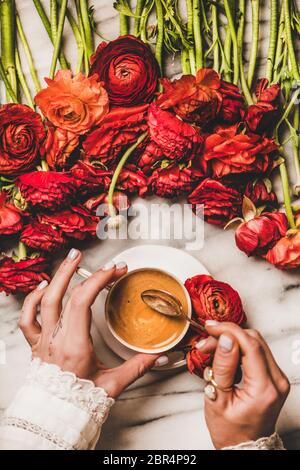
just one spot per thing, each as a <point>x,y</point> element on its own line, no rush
<point>63,336</point>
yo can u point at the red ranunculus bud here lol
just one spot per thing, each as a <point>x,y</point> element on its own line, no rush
<point>47,189</point>
<point>43,237</point>
<point>128,69</point>
<point>22,276</point>
<point>259,234</point>
<point>21,135</point>
<point>260,193</point>
<point>221,203</point>
<point>10,216</point>
<point>214,300</point>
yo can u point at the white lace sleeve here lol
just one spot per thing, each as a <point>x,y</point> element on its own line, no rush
<point>54,410</point>
<point>273,442</point>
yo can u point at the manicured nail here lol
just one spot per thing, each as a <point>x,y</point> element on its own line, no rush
<point>211,323</point>
<point>42,285</point>
<point>121,265</point>
<point>200,344</point>
<point>225,343</point>
<point>108,266</point>
<point>161,361</point>
<point>73,254</point>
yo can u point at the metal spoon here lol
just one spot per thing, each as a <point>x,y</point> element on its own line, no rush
<point>167,304</point>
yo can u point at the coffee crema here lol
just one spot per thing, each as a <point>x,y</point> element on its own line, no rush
<point>134,321</point>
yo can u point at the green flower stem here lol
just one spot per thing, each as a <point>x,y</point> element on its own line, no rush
<point>88,33</point>
<point>279,46</point>
<point>81,29</point>
<point>7,84</point>
<point>234,42</point>
<point>197,34</point>
<point>47,26</point>
<point>273,39</point>
<point>287,195</point>
<point>287,111</point>
<point>22,252</point>
<point>78,38</point>
<point>123,25</point>
<point>28,54</point>
<point>190,37</point>
<point>185,62</point>
<point>60,28</point>
<point>53,19</point>
<point>227,56</point>
<point>215,37</point>
<point>289,40</point>
<point>137,20</point>
<point>254,42</point>
<point>295,143</point>
<point>160,33</point>
<point>22,80</point>
<point>241,27</point>
<point>7,23</point>
<point>118,170</point>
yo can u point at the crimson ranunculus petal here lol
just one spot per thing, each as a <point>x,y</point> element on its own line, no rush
<point>10,217</point>
<point>43,237</point>
<point>22,276</point>
<point>173,181</point>
<point>286,253</point>
<point>196,360</point>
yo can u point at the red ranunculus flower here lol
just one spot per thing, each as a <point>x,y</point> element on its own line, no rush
<point>76,223</point>
<point>173,181</point>
<point>260,193</point>
<point>232,103</point>
<point>196,360</point>
<point>121,203</point>
<point>221,203</point>
<point>118,130</point>
<point>177,139</point>
<point>133,180</point>
<point>261,233</point>
<point>21,135</point>
<point>58,146</point>
<point>47,189</point>
<point>286,253</point>
<point>43,237</point>
<point>129,70</point>
<point>214,300</point>
<point>151,154</point>
<point>10,216</point>
<point>232,153</point>
<point>194,99</point>
<point>89,179</point>
<point>22,276</point>
<point>262,116</point>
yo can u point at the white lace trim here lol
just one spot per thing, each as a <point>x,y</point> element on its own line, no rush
<point>38,431</point>
<point>273,442</point>
<point>66,386</point>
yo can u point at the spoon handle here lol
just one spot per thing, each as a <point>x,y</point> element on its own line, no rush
<point>195,324</point>
<point>85,274</point>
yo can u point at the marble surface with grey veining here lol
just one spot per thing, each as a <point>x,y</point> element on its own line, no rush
<point>165,411</point>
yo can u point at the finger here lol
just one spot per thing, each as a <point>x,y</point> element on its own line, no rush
<point>28,323</point>
<point>226,361</point>
<point>279,378</point>
<point>253,356</point>
<point>207,345</point>
<point>52,301</point>
<point>133,369</point>
<point>77,313</point>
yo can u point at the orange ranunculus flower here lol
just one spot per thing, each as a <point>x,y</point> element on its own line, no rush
<point>286,253</point>
<point>195,99</point>
<point>75,104</point>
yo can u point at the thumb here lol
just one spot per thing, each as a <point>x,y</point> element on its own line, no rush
<point>226,361</point>
<point>136,367</point>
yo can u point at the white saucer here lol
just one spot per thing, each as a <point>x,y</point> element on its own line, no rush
<point>175,261</point>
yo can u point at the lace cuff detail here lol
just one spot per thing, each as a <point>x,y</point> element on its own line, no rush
<point>66,386</point>
<point>273,442</point>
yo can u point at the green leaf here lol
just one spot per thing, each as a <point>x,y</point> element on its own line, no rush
<point>123,7</point>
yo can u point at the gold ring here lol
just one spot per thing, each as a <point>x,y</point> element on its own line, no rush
<point>211,387</point>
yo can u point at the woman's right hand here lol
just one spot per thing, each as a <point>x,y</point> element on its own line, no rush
<point>250,412</point>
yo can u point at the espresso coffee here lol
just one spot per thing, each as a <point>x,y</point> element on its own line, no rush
<point>135,322</point>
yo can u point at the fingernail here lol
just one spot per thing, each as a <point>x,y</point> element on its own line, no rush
<point>108,266</point>
<point>211,323</point>
<point>121,265</point>
<point>200,344</point>
<point>73,254</point>
<point>225,343</point>
<point>161,361</point>
<point>42,285</point>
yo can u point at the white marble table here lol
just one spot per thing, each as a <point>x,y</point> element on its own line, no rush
<point>166,411</point>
